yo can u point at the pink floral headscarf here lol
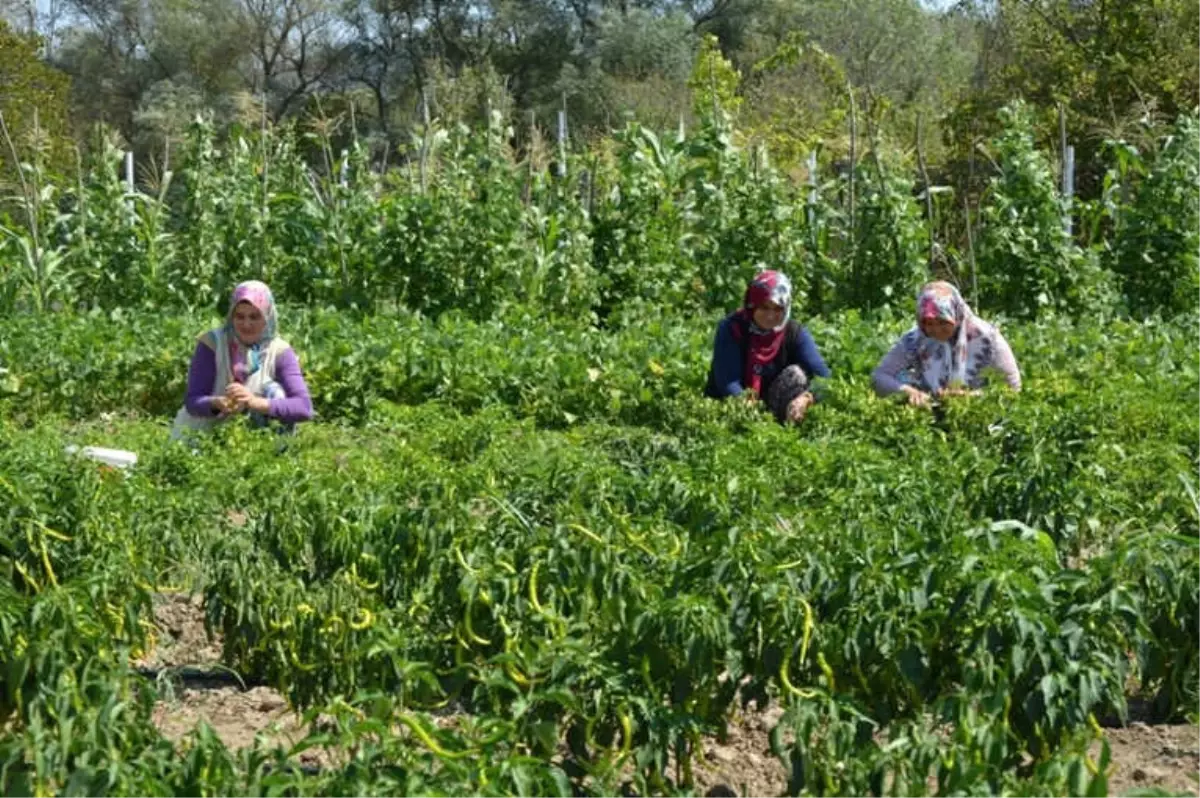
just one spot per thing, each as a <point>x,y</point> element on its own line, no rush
<point>944,362</point>
<point>246,360</point>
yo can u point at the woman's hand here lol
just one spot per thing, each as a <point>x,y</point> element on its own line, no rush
<point>916,397</point>
<point>224,405</point>
<point>799,407</point>
<point>239,395</point>
<point>946,392</point>
<point>243,399</point>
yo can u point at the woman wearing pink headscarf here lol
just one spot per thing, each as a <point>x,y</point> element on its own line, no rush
<point>244,367</point>
<point>946,353</point>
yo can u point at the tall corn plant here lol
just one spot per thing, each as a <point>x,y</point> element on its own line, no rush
<point>741,218</point>
<point>245,241</point>
<point>559,277</point>
<point>33,261</point>
<point>202,218</point>
<point>455,240</point>
<point>121,247</point>
<point>341,206</point>
<point>239,217</point>
<point>638,224</point>
<point>480,181</point>
<point>824,226</point>
<point>886,258</point>
<point>284,229</point>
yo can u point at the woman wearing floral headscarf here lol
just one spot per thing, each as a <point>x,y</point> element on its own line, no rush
<point>946,353</point>
<point>243,366</point>
<point>759,350</point>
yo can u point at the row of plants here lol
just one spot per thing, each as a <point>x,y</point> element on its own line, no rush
<point>949,603</point>
<point>554,370</point>
<point>463,223</point>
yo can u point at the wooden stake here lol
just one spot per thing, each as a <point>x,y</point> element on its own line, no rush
<point>928,195</point>
<point>971,251</point>
<point>853,151</point>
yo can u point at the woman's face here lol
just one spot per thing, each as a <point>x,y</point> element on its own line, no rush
<point>768,315</point>
<point>938,329</point>
<point>248,323</point>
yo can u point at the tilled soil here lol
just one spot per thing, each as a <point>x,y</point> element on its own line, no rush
<point>1164,756</point>
<point>1144,756</point>
<point>236,715</point>
<point>743,764</point>
<point>181,638</point>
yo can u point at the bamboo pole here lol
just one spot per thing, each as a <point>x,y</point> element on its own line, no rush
<point>853,153</point>
<point>928,195</point>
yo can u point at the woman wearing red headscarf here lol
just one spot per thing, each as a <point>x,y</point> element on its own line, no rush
<point>758,349</point>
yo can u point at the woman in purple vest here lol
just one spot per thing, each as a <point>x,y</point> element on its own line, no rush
<point>759,352</point>
<point>244,367</point>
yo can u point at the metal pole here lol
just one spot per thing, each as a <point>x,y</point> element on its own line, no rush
<point>853,152</point>
<point>928,197</point>
<point>425,141</point>
<point>971,251</point>
<point>1062,152</point>
<point>812,185</point>
<point>1062,133</point>
<point>1068,184</point>
<point>562,139</point>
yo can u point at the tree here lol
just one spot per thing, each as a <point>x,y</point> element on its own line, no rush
<point>294,47</point>
<point>713,83</point>
<point>34,103</point>
<point>900,59</point>
<point>34,151</point>
<point>41,18</point>
<point>385,53</point>
<point>124,48</point>
<point>1108,64</point>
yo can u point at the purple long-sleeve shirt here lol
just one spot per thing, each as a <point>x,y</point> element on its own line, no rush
<point>297,406</point>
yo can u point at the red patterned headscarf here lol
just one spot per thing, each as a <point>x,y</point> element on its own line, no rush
<point>768,286</point>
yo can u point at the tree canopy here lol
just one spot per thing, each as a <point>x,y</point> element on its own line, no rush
<point>803,67</point>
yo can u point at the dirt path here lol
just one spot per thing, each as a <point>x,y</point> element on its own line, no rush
<point>1154,756</point>
<point>181,639</point>
<point>1144,756</point>
<point>235,713</point>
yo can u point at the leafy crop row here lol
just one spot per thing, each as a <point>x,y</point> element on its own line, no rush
<point>553,538</point>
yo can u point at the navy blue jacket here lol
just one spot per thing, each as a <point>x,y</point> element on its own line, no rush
<point>729,359</point>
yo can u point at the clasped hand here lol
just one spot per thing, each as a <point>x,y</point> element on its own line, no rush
<point>237,399</point>
<point>919,398</point>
